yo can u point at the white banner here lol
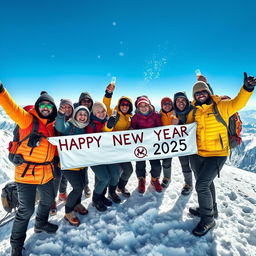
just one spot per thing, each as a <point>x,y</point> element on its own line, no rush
<point>77,151</point>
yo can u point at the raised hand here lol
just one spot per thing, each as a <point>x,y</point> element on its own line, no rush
<point>249,81</point>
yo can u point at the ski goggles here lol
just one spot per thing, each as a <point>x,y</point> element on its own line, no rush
<point>46,105</point>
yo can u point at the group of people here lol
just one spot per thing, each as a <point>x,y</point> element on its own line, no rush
<point>39,168</point>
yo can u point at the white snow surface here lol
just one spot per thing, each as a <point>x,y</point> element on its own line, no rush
<point>153,224</point>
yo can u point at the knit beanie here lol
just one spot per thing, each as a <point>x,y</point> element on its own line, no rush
<point>165,100</point>
<point>144,97</point>
<point>143,100</point>
<point>96,106</point>
<point>200,86</point>
<point>44,96</point>
<point>66,101</point>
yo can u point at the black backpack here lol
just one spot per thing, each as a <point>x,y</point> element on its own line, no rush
<point>9,197</point>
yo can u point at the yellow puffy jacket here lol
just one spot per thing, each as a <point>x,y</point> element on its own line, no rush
<point>167,118</point>
<point>212,136</point>
<point>124,121</point>
<point>35,174</point>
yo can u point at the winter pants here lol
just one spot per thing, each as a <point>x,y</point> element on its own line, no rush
<point>76,179</point>
<point>60,182</point>
<point>105,175</point>
<point>155,168</point>
<point>27,195</point>
<point>126,171</point>
<point>186,170</point>
<point>205,170</point>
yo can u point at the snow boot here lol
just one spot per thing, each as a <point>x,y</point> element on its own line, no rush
<point>72,219</point>
<point>186,190</point>
<point>156,184</point>
<point>202,228</point>
<point>80,209</point>
<point>113,195</point>
<point>105,200</point>
<point>47,227</point>
<point>121,188</point>
<point>97,202</point>
<point>165,182</point>
<point>142,185</point>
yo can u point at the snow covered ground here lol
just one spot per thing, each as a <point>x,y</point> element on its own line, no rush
<point>155,224</point>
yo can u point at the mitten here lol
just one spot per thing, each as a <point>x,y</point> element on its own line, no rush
<point>111,122</point>
<point>1,87</point>
<point>249,82</point>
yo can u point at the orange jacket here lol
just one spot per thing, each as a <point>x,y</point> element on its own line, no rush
<point>44,152</point>
<point>167,118</point>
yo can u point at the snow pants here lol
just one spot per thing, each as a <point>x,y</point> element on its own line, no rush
<point>185,167</point>
<point>206,169</point>
<point>76,180</point>
<point>27,197</point>
<point>155,168</point>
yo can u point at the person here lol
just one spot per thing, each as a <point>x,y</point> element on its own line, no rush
<point>76,125</point>
<point>105,175</point>
<point>168,118</point>
<point>34,157</point>
<point>60,182</point>
<point>86,100</point>
<point>123,111</point>
<point>182,107</point>
<point>146,117</point>
<point>213,146</point>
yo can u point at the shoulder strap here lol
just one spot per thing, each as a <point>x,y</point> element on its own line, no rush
<point>34,129</point>
<point>218,116</point>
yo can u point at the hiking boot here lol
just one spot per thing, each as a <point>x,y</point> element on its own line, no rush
<point>124,191</point>
<point>186,190</point>
<point>156,184</point>
<point>53,209</point>
<point>142,185</point>
<point>113,195</point>
<point>72,219</point>
<point>202,228</point>
<point>106,201</point>
<point>196,212</point>
<point>97,202</point>
<point>48,228</point>
<point>87,192</point>
<point>17,251</point>
<point>165,182</point>
<point>80,209</point>
<point>63,197</point>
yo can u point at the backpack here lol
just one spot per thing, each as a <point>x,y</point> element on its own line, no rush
<point>34,138</point>
<point>9,197</point>
<point>234,126</point>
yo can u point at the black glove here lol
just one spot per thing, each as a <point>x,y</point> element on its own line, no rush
<point>111,122</point>
<point>1,87</point>
<point>108,94</point>
<point>249,82</point>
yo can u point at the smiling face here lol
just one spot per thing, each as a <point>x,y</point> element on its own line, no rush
<point>181,103</point>
<point>45,108</point>
<point>100,113</point>
<point>68,109</point>
<point>86,102</point>
<point>143,108</point>
<point>167,106</point>
<point>201,96</point>
<point>81,116</point>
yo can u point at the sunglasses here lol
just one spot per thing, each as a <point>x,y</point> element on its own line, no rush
<point>46,105</point>
<point>200,93</point>
<point>86,101</point>
<point>167,104</point>
<point>125,105</point>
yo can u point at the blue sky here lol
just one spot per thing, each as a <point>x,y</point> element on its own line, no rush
<point>152,47</point>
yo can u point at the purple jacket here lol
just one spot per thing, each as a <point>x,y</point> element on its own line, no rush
<point>140,121</point>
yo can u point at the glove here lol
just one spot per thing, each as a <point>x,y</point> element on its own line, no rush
<point>1,87</point>
<point>249,82</point>
<point>111,122</point>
